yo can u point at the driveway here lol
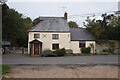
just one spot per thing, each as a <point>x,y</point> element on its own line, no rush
<point>81,60</point>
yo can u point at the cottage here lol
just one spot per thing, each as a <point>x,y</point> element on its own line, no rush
<point>54,33</point>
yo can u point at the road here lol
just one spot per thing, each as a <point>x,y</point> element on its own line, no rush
<point>81,60</point>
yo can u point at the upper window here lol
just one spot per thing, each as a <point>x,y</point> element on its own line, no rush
<point>55,36</point>
<point>36,35</point>
<point>81,44</point>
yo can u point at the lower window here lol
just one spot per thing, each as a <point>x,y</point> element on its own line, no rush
<point>81,44</point>
<point>55,46</point>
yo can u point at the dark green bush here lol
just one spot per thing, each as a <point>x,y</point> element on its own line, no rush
<point>48,53</point>
<point>60,52</point>
<point>102,41</point>
<point>108,50</point>
<point>86,50</point>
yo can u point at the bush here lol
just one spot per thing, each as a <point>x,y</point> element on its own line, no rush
<point>103,53</point>
<point>48,53</point>
<point>107,50</point>
<point>101,41</point>
<point>86,50</point>
<point>60,52</point>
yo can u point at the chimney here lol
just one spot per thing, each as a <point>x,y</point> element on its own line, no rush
<point>65,16</point>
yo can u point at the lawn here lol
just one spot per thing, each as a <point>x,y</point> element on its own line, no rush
<point>5,69</point>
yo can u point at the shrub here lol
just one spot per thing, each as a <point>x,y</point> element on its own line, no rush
<point>101,41</point>
<point>108,50</point>
<point>48,53</point>
<point>60,52</point>
<point>86,50</point>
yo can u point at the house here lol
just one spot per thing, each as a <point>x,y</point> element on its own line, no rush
<point>54,33</point>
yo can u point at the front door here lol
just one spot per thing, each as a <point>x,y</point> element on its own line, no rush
<point>36,48</point>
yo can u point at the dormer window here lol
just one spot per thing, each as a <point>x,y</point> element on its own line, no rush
<point>36,35</point>
<point>55,36</point>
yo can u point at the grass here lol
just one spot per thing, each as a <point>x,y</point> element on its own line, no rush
<point>5,69</point>
<point>96,54</point>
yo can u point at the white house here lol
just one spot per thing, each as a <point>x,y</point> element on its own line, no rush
<point>54,33</point>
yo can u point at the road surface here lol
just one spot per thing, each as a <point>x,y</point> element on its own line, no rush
<point>81,60</point>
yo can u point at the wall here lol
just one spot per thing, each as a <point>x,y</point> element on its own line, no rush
<point>64,39</point>
<point>101,47</point>
<point>74,45</point>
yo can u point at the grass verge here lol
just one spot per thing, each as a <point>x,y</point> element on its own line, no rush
<point>5,69</point>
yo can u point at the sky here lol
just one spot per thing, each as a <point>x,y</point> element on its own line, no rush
<point>77,9</point>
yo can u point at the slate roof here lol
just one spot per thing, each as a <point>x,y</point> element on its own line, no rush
<point>78,34</point>
<point>51,24</point>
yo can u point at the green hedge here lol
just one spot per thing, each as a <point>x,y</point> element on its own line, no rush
<point>60,52</point>
<point>86,50</point>
<point>48,53</point>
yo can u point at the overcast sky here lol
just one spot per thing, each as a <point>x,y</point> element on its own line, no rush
<point>77,9</point>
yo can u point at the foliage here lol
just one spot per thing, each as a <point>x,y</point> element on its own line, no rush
<point>60,52</point>
<point>5,69</point>
<point>92,47</point>
<point>72,24</point>
<point>106,29</point>
<point>14,26</point>
<point>112,45</point>
<point>103,53</point>
<point>102,41</point>
<point>36,21</point>
<point>107,50</point>
<point>86,50</point>
<point>47,53</point>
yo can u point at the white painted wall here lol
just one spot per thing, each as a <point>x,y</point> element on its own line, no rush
<point>74,45</point>
<point>63,41</point>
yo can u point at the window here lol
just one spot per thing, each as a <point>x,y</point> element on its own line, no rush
<point>55,36</point>
<point>55,46</point>
<point>81,44</point>
<point>36,35</point>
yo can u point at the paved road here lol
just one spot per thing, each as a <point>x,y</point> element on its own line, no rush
<point>82,60</point>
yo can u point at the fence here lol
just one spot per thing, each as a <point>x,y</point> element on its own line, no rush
<point>17,50</point>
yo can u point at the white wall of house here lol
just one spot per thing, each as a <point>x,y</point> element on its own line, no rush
<point>47,41</point>
<point>74,45</point>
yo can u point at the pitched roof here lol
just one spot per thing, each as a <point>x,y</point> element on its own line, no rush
<point>52,24</point>
<point>78,34</point>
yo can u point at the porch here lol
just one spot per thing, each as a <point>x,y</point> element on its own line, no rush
<point>35,47</point>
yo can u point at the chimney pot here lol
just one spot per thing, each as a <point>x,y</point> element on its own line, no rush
<point>65,15</point>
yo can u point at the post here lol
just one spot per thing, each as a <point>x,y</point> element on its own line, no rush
<point>22,50</point>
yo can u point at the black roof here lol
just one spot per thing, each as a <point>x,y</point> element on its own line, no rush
<point>78,34</point>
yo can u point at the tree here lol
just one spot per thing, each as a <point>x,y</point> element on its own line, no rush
<point>73,24</point>
<point>36,21</point>
<point>93,27</point>
<point>107,29</point>
<point>14,26</point>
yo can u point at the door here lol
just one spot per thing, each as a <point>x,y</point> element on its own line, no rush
<point>36,48</point>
